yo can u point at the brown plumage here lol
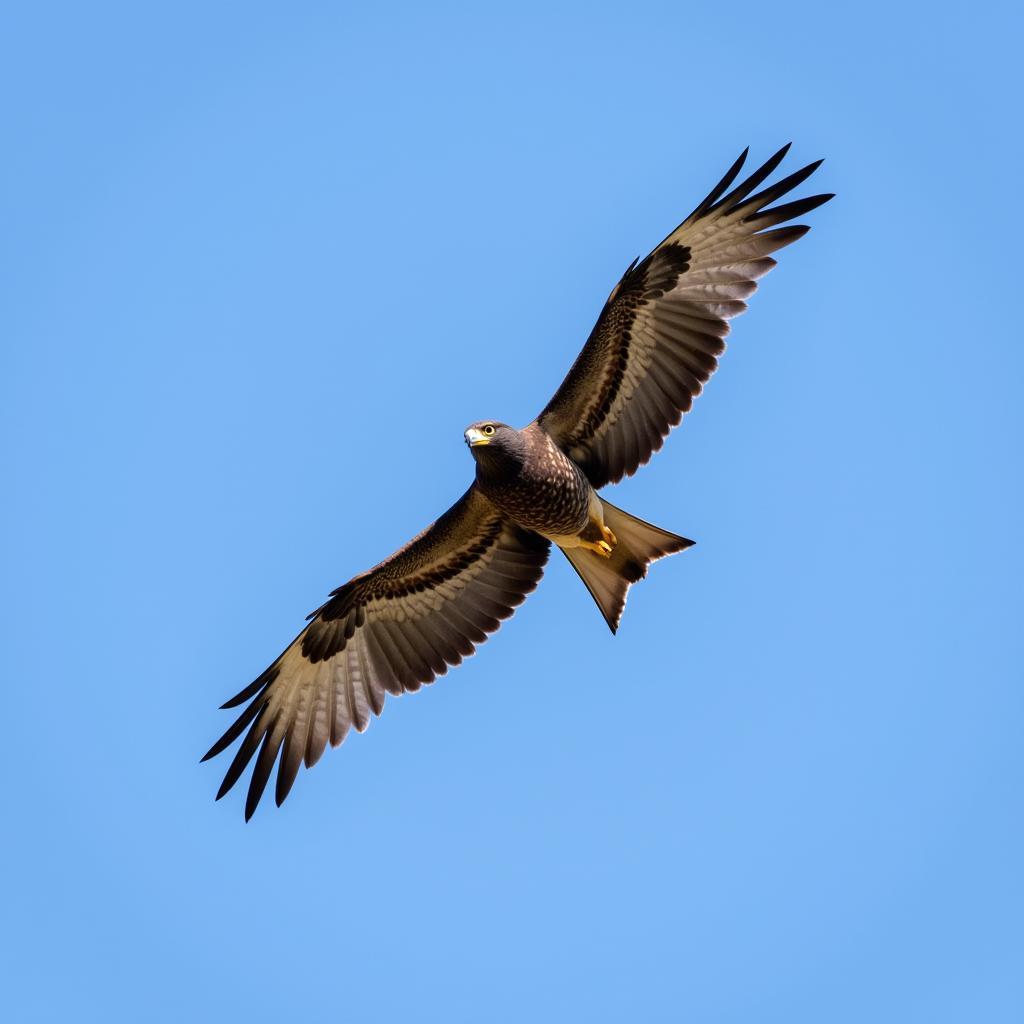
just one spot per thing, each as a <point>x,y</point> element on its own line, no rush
<point>404,622</point>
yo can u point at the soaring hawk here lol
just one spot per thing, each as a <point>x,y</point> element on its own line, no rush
<point>404,622</point>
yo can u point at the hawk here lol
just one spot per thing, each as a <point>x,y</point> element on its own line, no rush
<point>404,622</point>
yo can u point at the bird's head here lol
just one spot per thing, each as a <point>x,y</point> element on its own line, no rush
<point>492,442</point>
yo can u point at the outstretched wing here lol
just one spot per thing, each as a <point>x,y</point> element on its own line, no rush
<point>662,330</point>
<point>388,630</point>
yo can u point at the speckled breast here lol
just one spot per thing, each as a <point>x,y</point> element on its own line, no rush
<point>550,494</point>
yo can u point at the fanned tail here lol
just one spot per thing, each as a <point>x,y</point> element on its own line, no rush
<point>639,544</point>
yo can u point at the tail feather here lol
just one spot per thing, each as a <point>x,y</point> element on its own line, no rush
<point>609,579</point>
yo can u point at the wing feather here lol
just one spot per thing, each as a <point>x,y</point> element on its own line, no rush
<point>660,335</point>
<point>389,630</point>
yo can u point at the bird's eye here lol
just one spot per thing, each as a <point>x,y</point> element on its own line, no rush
<point>489,430</point>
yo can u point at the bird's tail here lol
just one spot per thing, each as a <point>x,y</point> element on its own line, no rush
<point>609,579</point>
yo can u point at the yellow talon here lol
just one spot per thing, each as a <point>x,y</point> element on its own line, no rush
<point>603,547</point>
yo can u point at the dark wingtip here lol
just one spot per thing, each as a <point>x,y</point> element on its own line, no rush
<point>261,682</point>
<point>253,797</point>
<point>243,696</point>
<point>222,744</point>
<point>285,780</point>
<point>729,177</point>
<point>741,191</point>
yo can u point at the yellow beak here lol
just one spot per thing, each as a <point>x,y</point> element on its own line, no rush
<point>475,437</point>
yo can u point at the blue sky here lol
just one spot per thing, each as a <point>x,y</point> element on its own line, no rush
<point>261,265</point>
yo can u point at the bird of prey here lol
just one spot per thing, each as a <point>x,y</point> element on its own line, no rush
<point>405,621</point>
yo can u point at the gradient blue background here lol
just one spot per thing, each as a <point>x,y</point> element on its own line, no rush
<point>261,264</point>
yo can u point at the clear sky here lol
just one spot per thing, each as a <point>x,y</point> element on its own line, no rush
<point>261,264</point>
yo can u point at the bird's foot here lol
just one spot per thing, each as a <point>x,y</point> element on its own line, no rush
<point>604,546</point>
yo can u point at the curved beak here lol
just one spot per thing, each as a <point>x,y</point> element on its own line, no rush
<point>476,437</point>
